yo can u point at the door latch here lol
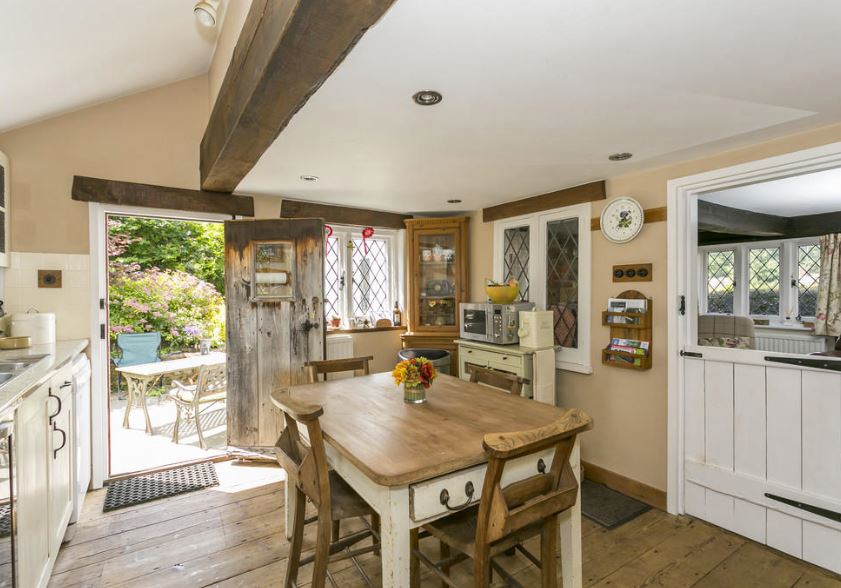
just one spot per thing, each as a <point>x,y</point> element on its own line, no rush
<point>691,354</point>
<point>682,307</point>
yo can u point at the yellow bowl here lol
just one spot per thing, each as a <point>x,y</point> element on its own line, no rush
<point>502,294</point>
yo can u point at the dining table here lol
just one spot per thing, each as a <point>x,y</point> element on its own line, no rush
<point>141,377</point>
<point>415,463</point>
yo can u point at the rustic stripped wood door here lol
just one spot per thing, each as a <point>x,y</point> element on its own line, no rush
<point>274,282</point>
<point>762,450</point>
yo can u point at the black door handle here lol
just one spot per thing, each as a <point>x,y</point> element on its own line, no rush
<point>63,441</point>
<point>58,411</point>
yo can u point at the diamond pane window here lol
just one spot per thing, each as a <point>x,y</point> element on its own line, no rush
<point>808,275</point>
<point>371,292</point>
<point>764,281</point>
<point>333,282</point>
<point>516,258</point>
<point>721,281</point>
<point>562,279</point>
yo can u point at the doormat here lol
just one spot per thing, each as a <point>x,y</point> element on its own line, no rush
<point>148,487</point>
<point>608,507</point>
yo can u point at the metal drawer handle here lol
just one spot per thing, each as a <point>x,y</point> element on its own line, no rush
<point>445,497</point>
<point>65,385</point>
<point>63,441</point>
<point>541,466</point>
<point>58,410</point>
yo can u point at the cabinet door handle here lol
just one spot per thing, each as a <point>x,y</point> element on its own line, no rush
<point>63,441</point>
<point>58,410</point>
<point>65,385</point>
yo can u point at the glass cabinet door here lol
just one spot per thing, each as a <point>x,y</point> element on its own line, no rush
<point>437,282</point>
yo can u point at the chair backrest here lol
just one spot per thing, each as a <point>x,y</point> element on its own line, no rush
<point>508,382</point>
<point>306,462</point>
<point>503,511</point>
<point>332,366</point>
<point>138,348</point>
<point>212,380</point>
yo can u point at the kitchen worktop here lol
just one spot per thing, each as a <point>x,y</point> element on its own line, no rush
<point>13,391</point>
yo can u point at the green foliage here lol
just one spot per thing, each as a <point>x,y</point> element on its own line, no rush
<point>197,248</point>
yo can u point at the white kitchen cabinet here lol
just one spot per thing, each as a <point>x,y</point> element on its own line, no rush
<point>61,456</point>
<point>537,366</point>
<point>32,446</point>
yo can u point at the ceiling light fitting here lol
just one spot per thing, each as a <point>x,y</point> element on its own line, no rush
<point>427,97</point>
<point>309,178</point>
<point>620,156</point>
<point>205,11</point>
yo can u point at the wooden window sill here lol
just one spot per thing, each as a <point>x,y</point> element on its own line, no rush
<point>364,330</point>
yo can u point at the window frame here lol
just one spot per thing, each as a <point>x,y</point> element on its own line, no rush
<point>789,277</point>
<point>395,240</point>
<point>578,359</point>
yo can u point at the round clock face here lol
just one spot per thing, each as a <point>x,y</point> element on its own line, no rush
<point>622,220</point>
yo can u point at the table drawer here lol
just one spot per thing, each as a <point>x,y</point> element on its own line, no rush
<point>425,497</point>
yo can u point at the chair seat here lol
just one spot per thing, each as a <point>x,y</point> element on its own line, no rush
<point>345,502</point>
<point>459,531</point>
<point>187,394</point>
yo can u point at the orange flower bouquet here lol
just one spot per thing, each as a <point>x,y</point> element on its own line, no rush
<point>416,375</point>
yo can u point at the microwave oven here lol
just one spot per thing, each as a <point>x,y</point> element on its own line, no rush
<point>492,323</point>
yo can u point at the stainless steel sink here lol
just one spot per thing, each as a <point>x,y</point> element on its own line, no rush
<point>11,367</point>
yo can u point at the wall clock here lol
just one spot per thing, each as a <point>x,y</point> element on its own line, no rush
<point>622,220</point>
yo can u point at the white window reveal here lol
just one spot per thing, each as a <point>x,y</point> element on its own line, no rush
<point>549,254</point>
<point>361,276</point>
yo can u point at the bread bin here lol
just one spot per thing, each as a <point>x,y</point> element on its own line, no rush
<point>39,326</point>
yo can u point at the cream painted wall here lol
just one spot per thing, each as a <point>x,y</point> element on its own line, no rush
<point>630,408</point>
<point>383,345</point>
<point>235,12</point>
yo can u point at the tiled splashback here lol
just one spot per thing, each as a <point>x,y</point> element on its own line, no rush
<point>70,303</point>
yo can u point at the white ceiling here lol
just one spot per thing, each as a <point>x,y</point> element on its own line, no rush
<point>795,196</point>
<point>62,55</point>
<point>538,93</point>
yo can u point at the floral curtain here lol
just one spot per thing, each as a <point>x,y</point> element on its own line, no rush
<point>828,315</point>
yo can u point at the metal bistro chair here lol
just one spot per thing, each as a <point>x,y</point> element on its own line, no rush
<point>136,349</point>
<point>497,379</point>
<point>333,498</point>
<point>506,517</point>
<point>333,366</point>
<point>210,387</point>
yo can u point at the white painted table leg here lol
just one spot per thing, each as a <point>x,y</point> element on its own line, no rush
<point>394,533</point>
<point>571,533</point>
<point>291,498</point>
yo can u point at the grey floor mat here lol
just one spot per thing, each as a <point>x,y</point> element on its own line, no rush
<point>608,507</point>
<point>148,487</point>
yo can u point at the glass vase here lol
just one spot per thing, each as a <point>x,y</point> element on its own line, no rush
<point>414,394</point>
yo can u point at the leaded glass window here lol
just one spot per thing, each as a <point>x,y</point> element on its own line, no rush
<point>371,291</point>
<point>333,278</point>
<point>562,279</point>
<point>764,281</point>
<point>808,275</point>
<point>721,281</point>
<point>516,258</point>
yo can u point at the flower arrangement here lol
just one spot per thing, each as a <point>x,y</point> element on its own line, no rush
<point>416,375</point>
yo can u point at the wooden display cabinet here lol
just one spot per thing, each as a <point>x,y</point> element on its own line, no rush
<point>436,254</point>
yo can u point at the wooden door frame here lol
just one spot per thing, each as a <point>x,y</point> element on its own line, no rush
<point>97,215</point>
<point>682,240</point>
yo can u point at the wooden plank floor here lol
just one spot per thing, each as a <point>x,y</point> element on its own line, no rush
<point>232,536</point>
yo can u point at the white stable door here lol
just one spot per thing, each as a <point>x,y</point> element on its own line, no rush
<point>762,449</point>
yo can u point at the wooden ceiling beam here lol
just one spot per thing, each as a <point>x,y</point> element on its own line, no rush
<point>566,197</point>
<point>285,52</point>
<point>717,218</point>
<point>342,215</point>
<point>87,189</point>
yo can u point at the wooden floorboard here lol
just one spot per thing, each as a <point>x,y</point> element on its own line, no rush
<point>232,537</point>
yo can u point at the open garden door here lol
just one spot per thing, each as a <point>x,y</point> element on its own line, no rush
<point>274,283</point>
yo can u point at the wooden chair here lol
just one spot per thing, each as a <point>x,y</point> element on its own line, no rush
<point>506,517</point>
<point>332,366</point>
<point>211,386</point>
<point>332,497</point>
<point>497,379</point>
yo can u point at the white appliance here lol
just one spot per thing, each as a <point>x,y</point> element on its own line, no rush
<point>536,329</point>
<point>39,326</point>
<point>81,370</point>
<point>492,323</point>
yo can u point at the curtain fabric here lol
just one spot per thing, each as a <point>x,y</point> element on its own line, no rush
<point>828,315</point>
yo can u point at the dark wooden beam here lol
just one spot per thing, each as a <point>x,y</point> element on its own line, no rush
<point>652,215</point>
<point>285,52</point>
<point>87,189</point>
<point>566,197</point>
<point>815,225</point>
<point>342,215</point>
<point>716,218</point>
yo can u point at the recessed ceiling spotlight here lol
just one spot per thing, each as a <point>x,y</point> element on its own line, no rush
<point>620,156</point>
<point>454,201</point>
<point>427,97</point>
<point>309,178</point>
